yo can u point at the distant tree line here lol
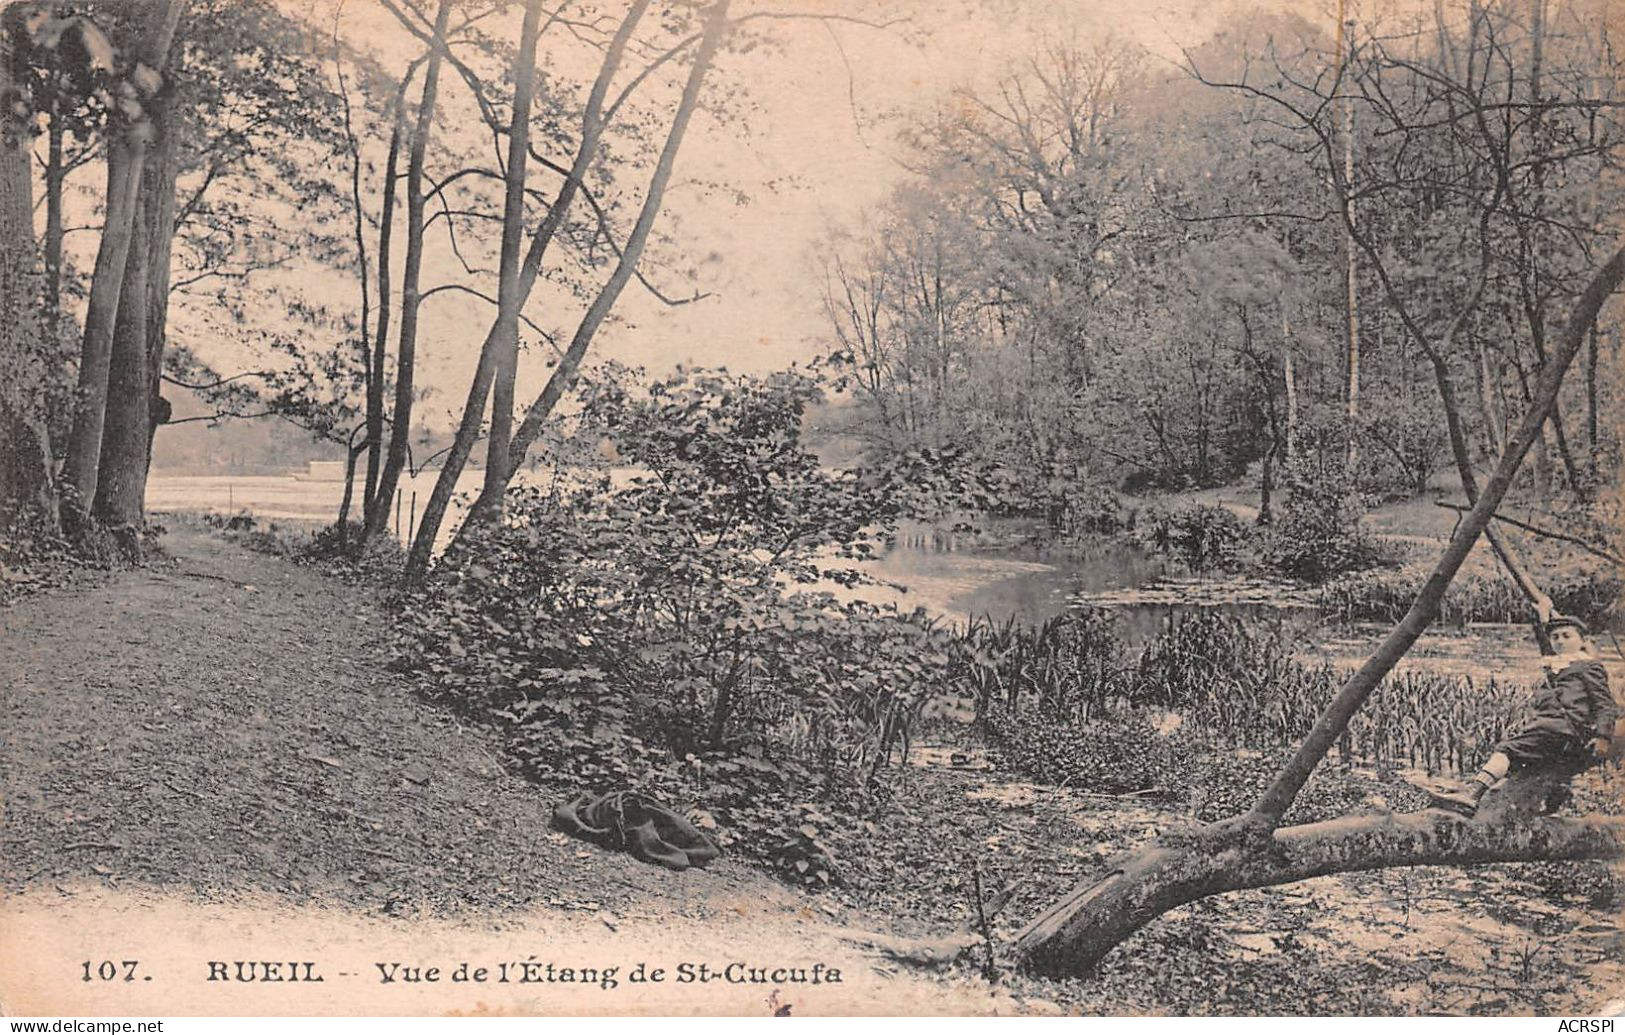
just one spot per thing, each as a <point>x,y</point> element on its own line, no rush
<point>1357,240</point>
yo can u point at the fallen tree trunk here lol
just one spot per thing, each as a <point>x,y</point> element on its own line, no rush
<point>1082,928</point>
<point>1240,852</point>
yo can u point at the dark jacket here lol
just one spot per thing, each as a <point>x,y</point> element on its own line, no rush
<point>1577,701</point>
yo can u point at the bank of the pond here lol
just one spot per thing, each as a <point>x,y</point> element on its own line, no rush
<point>286,767</point>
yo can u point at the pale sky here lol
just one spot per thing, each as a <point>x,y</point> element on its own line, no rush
<point>833,135</point>
<point>818,151</point>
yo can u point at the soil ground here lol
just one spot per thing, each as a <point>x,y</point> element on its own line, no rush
<point>208,759</point>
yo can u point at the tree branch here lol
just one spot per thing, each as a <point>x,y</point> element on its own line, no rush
<point>1545,533</point>
<point>482,296</point>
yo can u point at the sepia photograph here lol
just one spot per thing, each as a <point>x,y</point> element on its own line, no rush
<point>713,508</point>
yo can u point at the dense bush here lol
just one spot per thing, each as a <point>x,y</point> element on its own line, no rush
<point>1225,784</point>
<point>1115,755</point>
<point>680,632</point>
<point>34,555</point>
<point>1203,537</point>
<point>1094,510</point>
<point>1319,533</point>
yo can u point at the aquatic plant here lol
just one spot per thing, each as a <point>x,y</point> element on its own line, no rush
<point>1232,685</point>
<point>1384,596</point>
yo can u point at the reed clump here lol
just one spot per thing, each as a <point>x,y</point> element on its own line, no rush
<point>1385,596</point>
<point>1219,682</point>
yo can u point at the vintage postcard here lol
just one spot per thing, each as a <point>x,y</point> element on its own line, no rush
<point>811,507</point>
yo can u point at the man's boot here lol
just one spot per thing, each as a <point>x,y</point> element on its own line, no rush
<point>1464,801</point>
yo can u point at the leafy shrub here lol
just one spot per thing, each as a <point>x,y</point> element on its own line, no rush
<point>675,633</point>
<point>804,856</point>
<point>340,551</point>
<point>34,556</point>
<point>1114,755</point>
<point>1203,537</point>
<point>1094,510</point>
<point>1319,533</point>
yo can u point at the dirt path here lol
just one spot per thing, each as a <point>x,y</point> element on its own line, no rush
<point>210,747</point>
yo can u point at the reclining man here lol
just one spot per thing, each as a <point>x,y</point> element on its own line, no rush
<point>1574,719</point>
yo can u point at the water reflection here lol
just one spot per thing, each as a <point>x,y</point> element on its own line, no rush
<point>961,574</point>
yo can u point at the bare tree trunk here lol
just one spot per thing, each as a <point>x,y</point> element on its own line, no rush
<point>53,219</point>
<point>592,127</point>
<point>406,355</point>
<point>1080,930</point>
<point>564,374</point>
<point>161,241</point>
<point>372,383</point>
<point>506,345</point>
<point>1290,446</point>
<point>342,523</point>
<point>125,160</point>
<point>1074,935</point>
<point>107,284</point>
<point>1352,268</point>
<point>127,434</point>
<point>124,446</point>
<point>380,347</point>
<point>1593,443</point>
<point>1494,444</point>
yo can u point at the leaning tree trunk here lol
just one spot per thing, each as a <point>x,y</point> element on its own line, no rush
<point>468,429</point>
<point>506,350</point>
<point>563,376</point>
<point>1076,933</point>
<point>380,345</point>
<point>1250,850</point>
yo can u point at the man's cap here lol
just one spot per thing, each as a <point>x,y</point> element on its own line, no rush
<point>1567,622</point>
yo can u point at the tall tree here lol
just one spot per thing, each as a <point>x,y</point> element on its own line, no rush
<point>125,164</point>
<point>380,344</point>
<point>134,407</point>
<point>594,120</point>
<point>411,301</point>
<point>563,376</point>
<point>513,220</point>
<point>1351,270</point>
<point>26,487</point>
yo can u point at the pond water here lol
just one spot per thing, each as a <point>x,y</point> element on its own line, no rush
<point>286,497</point>
<point>954,575</point>
<point>957,577</point>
